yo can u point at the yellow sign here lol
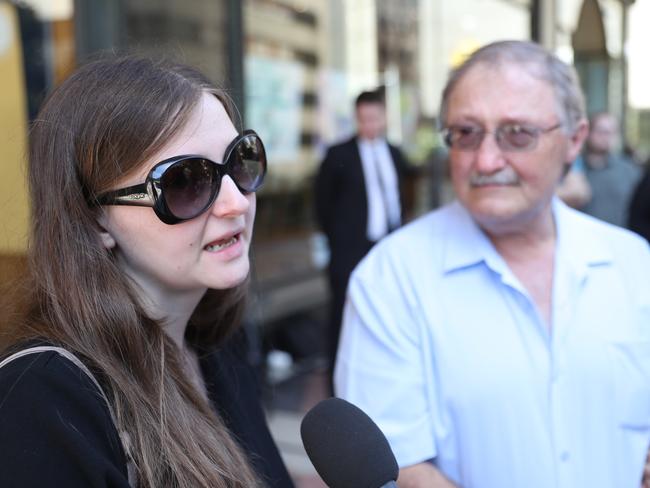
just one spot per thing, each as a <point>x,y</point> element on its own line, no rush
<point>14,206</point>
<point>462,51</point>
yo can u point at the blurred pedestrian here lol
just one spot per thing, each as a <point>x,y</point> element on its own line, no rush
<point>358,199</point>
<point>143,200</point>
<point>504,339</point>
<point>611,175</point>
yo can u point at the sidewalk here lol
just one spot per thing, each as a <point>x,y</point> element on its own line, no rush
<point>288,402</point>
<point>288,289</point>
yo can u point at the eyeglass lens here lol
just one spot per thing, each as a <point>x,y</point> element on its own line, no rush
<point>246,167</point>
<point>508,138</point>
<point>189,186</point>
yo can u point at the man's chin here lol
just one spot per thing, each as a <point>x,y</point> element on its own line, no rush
<point>495,216</point>
<point>493,207</point>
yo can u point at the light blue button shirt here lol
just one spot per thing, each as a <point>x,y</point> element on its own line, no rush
<point>446,351</point>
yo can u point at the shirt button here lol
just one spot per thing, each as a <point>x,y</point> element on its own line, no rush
<point>564,456</point>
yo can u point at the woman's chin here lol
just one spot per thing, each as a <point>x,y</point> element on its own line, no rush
<point>232,279</point>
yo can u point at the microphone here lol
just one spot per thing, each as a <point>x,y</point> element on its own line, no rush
<point>346,447</point>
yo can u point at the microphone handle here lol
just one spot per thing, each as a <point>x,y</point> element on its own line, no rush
<point>390,484</point>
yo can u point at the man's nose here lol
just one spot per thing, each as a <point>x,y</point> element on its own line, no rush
<point>488,155</point>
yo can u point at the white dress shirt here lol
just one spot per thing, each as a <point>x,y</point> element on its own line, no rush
<point>444,348</point>
<point>381,188</point>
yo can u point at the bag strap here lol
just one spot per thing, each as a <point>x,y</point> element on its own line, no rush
<point>125,439</point>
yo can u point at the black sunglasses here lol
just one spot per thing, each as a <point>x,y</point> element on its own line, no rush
<point>183,187</point>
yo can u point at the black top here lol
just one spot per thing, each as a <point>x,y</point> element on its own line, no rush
<point>639,211</point>
<point>55,429</point>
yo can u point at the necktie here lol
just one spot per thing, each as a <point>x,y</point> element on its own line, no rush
<point>390,226</point>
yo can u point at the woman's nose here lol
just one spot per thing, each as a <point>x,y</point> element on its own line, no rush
<point>230,200</point>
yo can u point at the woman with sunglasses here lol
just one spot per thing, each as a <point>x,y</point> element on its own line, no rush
<point>143,200</point>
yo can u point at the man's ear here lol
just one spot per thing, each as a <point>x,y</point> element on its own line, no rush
<point>102,227</point>
<point>576,140</point>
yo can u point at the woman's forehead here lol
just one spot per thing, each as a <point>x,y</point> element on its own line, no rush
<point>207,132</point>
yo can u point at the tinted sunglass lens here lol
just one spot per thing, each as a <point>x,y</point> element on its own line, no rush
<point>519,141</point>
<point>188,187</point>
<point>464,138</point>
<point>249,164</point>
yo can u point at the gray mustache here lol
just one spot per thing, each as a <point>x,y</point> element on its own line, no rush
<point>506,176</point>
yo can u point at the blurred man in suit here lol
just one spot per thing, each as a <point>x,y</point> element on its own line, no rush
<point>358,199</point>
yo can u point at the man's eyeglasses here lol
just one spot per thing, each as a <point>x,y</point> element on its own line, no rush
<point>509,137</point>
<point>183,187</point>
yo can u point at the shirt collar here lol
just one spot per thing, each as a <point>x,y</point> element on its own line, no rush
<point>466,244</point>
<point>371,142</point>
<point>576,240</point>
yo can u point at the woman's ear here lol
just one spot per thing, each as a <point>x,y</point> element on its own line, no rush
<point>102,225</point>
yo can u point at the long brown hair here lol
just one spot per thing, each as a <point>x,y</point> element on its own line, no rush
<point>98,126</point>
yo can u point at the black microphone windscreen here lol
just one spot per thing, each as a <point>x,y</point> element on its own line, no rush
<point>346,447</point>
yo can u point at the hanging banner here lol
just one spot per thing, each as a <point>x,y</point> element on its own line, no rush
<point>274,91</point>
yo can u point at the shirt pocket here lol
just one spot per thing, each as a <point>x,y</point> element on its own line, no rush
<point>631,359</point>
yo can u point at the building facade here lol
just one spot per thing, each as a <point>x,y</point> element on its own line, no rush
<point>294,68</point>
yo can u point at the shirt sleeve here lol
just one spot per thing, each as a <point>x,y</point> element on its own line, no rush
<point>381,364</point>
<point>55,429</point>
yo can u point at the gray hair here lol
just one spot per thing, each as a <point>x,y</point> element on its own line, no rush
<point>539,63</point>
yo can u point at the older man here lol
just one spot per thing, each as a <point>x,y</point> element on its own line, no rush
<point>504,340</point>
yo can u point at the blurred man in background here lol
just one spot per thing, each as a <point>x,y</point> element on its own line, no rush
<point>358,199</point>
<point>612,177</point>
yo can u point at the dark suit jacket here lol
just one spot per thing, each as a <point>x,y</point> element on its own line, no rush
<point>342,204</point>
<point>639,211</point>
